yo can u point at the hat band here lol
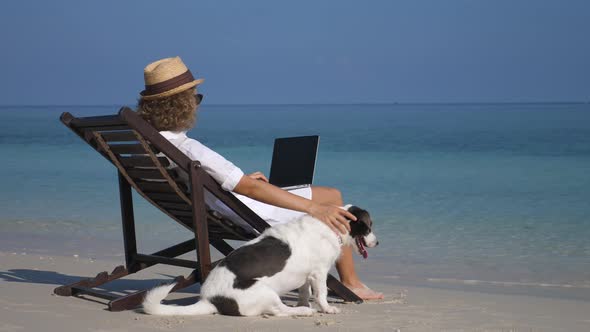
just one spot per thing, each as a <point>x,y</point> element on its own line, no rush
<point>167,85</point>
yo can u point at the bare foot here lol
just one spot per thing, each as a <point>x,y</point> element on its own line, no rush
<point>365,292</point>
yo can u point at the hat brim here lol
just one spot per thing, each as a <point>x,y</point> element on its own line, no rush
<point>174,91</point>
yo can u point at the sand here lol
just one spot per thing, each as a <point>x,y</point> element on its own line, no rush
<point>27,303</point>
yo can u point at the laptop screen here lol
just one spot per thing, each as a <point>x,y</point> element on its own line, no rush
<point>293,161</point>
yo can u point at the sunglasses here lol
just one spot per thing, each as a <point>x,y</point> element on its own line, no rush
<point>199,98</point>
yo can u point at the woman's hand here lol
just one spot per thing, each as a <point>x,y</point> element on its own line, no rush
<point>258,176</point>
<point>333,216</point>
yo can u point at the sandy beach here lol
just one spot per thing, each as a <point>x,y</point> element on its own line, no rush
<point>28,304</point>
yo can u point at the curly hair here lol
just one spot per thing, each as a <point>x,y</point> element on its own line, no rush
<point>174,113</point>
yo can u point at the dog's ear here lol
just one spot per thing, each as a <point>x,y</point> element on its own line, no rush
<point>358,228</point>
<point>361,215</point>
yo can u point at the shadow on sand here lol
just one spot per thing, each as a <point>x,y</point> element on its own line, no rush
<point>117,287</point>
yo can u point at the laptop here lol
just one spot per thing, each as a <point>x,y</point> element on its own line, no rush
<point>293,161</point>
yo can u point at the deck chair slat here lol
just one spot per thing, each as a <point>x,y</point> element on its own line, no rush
<point>226,235</point>
<point>142,161</point>
<point>148,174</point>
<point>105,128</point>
<point>127,149</point>
<point>180,213</point>
<point>213,224</point>
<point>97,121</point>
<point>215,229</point>
<point>218,232</point>
<point>155,187</point>
<point>119,136</point>
<point>162,197</point>
<point>176,206</point>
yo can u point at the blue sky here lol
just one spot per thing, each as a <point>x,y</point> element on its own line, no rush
<point>80,52</point>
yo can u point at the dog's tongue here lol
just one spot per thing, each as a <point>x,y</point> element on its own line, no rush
<point>361,246</point>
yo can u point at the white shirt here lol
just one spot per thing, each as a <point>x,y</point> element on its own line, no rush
<point>222,170</point>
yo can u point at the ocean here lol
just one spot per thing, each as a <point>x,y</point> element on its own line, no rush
<point>494,194</point>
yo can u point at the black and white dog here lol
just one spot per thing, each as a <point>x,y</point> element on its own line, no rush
<point>250,280</point>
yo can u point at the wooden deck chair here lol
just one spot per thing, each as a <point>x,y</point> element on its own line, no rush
<point>155,168</point>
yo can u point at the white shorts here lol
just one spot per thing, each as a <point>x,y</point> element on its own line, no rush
<point>275,215</point>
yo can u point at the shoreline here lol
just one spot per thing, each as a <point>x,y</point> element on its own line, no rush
<point>376,269</point>
<point>27,282</point>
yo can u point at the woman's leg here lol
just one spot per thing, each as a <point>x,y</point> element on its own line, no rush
<point>344,265</point>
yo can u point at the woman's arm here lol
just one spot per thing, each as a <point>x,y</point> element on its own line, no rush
<point>257,188</point>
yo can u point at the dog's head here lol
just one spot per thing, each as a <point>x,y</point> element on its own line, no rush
<point>360,230</point>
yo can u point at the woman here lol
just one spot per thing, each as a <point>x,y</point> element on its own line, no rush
<point>169,103</point>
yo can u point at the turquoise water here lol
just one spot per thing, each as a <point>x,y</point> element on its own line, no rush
<point>484,192</point>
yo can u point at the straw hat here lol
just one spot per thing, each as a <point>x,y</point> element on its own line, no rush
<point>167,77</point>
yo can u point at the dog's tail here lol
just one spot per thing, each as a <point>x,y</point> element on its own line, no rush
<point>152,304</point>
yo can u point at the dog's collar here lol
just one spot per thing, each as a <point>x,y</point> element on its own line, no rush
<point>340,241</point>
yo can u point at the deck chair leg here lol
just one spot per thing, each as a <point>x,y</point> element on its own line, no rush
<point>128,221</point>
<point>84,284</point>
<point>200,219</point>
<point>342,291</point>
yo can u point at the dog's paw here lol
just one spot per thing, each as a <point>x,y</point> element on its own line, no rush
<point>304,311</point>
<point>331,310</point>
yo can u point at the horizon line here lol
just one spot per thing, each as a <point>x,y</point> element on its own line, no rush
<point>570,102</point>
